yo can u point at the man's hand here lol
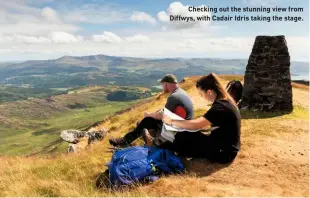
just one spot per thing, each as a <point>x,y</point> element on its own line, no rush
<point>166,119</point>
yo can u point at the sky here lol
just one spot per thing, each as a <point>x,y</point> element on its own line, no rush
<point>49,29</point>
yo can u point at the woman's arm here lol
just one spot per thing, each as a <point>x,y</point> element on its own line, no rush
<point>196,124</point>
<point>156,115</point>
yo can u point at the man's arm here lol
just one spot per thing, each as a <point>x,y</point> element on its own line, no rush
<point>172,103</point>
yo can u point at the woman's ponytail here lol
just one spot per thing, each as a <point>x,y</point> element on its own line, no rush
<point>212,82</point>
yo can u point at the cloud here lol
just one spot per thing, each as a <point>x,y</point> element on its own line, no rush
<point>177,8</point>
<point>3,51</point>
<point>67,38</point>
<point>188,44</point>
<point>64,37</point>
<point>155,44</point>
<point>34,29</point>
<point>266,3</point>
<point>143,17</point>
<point>31,39</point>
<point>93,13</point>
<point>23,39</point>
<point>298,46</point>
<point>18,7</point>
<point>49,14</point>
<point>53,37</point>
<point>110,37</point>
<point>107,37</point>
<point>161,45</point>
<point>138,38</point>
<point>17,17</point>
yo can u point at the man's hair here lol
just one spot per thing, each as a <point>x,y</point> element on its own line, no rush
<point>169,78</point>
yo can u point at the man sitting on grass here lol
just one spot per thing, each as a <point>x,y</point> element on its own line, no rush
<point>178,102</point>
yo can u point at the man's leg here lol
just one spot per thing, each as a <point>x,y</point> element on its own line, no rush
<point>146,123</point>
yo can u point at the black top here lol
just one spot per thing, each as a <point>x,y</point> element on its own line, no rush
<point>180,98</point>
<point>227,117</point>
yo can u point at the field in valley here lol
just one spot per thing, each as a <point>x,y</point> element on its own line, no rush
<point>33,125</point>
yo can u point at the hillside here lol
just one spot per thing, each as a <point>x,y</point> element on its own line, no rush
<point>12,93</point>
<point>33,125</point>
<point>273,160</point>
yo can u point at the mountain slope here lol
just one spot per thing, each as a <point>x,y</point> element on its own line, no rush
<point>273,160</point>
<point>31,125</point>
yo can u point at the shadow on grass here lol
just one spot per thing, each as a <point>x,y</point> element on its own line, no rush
<point>102,182</point>
<point>202,167</point>
<point>45,131</point>
<point>248,114</point>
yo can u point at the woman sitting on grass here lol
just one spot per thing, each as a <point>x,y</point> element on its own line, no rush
<point>223,144</point>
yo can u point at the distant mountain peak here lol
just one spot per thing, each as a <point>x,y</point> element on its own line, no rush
<point>97,57</point>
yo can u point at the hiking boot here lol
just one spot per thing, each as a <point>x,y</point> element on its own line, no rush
<point>120,142</point>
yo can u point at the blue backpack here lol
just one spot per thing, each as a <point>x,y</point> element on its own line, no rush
<point>142,163</point>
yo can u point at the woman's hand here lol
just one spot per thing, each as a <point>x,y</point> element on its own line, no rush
<point>196,124</point>
<point>166,119</point>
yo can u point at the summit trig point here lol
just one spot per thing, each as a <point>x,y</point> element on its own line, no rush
<point>267,80</point>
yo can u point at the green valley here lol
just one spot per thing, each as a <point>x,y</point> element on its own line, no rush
<point>33,126</point>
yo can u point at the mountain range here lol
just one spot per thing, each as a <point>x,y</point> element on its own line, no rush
<point>72,71</point>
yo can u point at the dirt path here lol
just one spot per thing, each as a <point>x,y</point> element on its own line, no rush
<point>301,97</point>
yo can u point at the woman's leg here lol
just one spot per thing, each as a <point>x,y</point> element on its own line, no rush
<point>185,143</point>
<point>197,144</point>
<point>191,144</point>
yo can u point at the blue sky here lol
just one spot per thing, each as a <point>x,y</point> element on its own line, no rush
<point>47,29</point>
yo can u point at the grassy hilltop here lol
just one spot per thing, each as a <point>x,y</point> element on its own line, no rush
<point>273,160</point>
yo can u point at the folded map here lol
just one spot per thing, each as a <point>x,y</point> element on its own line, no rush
<point>168,131</point>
